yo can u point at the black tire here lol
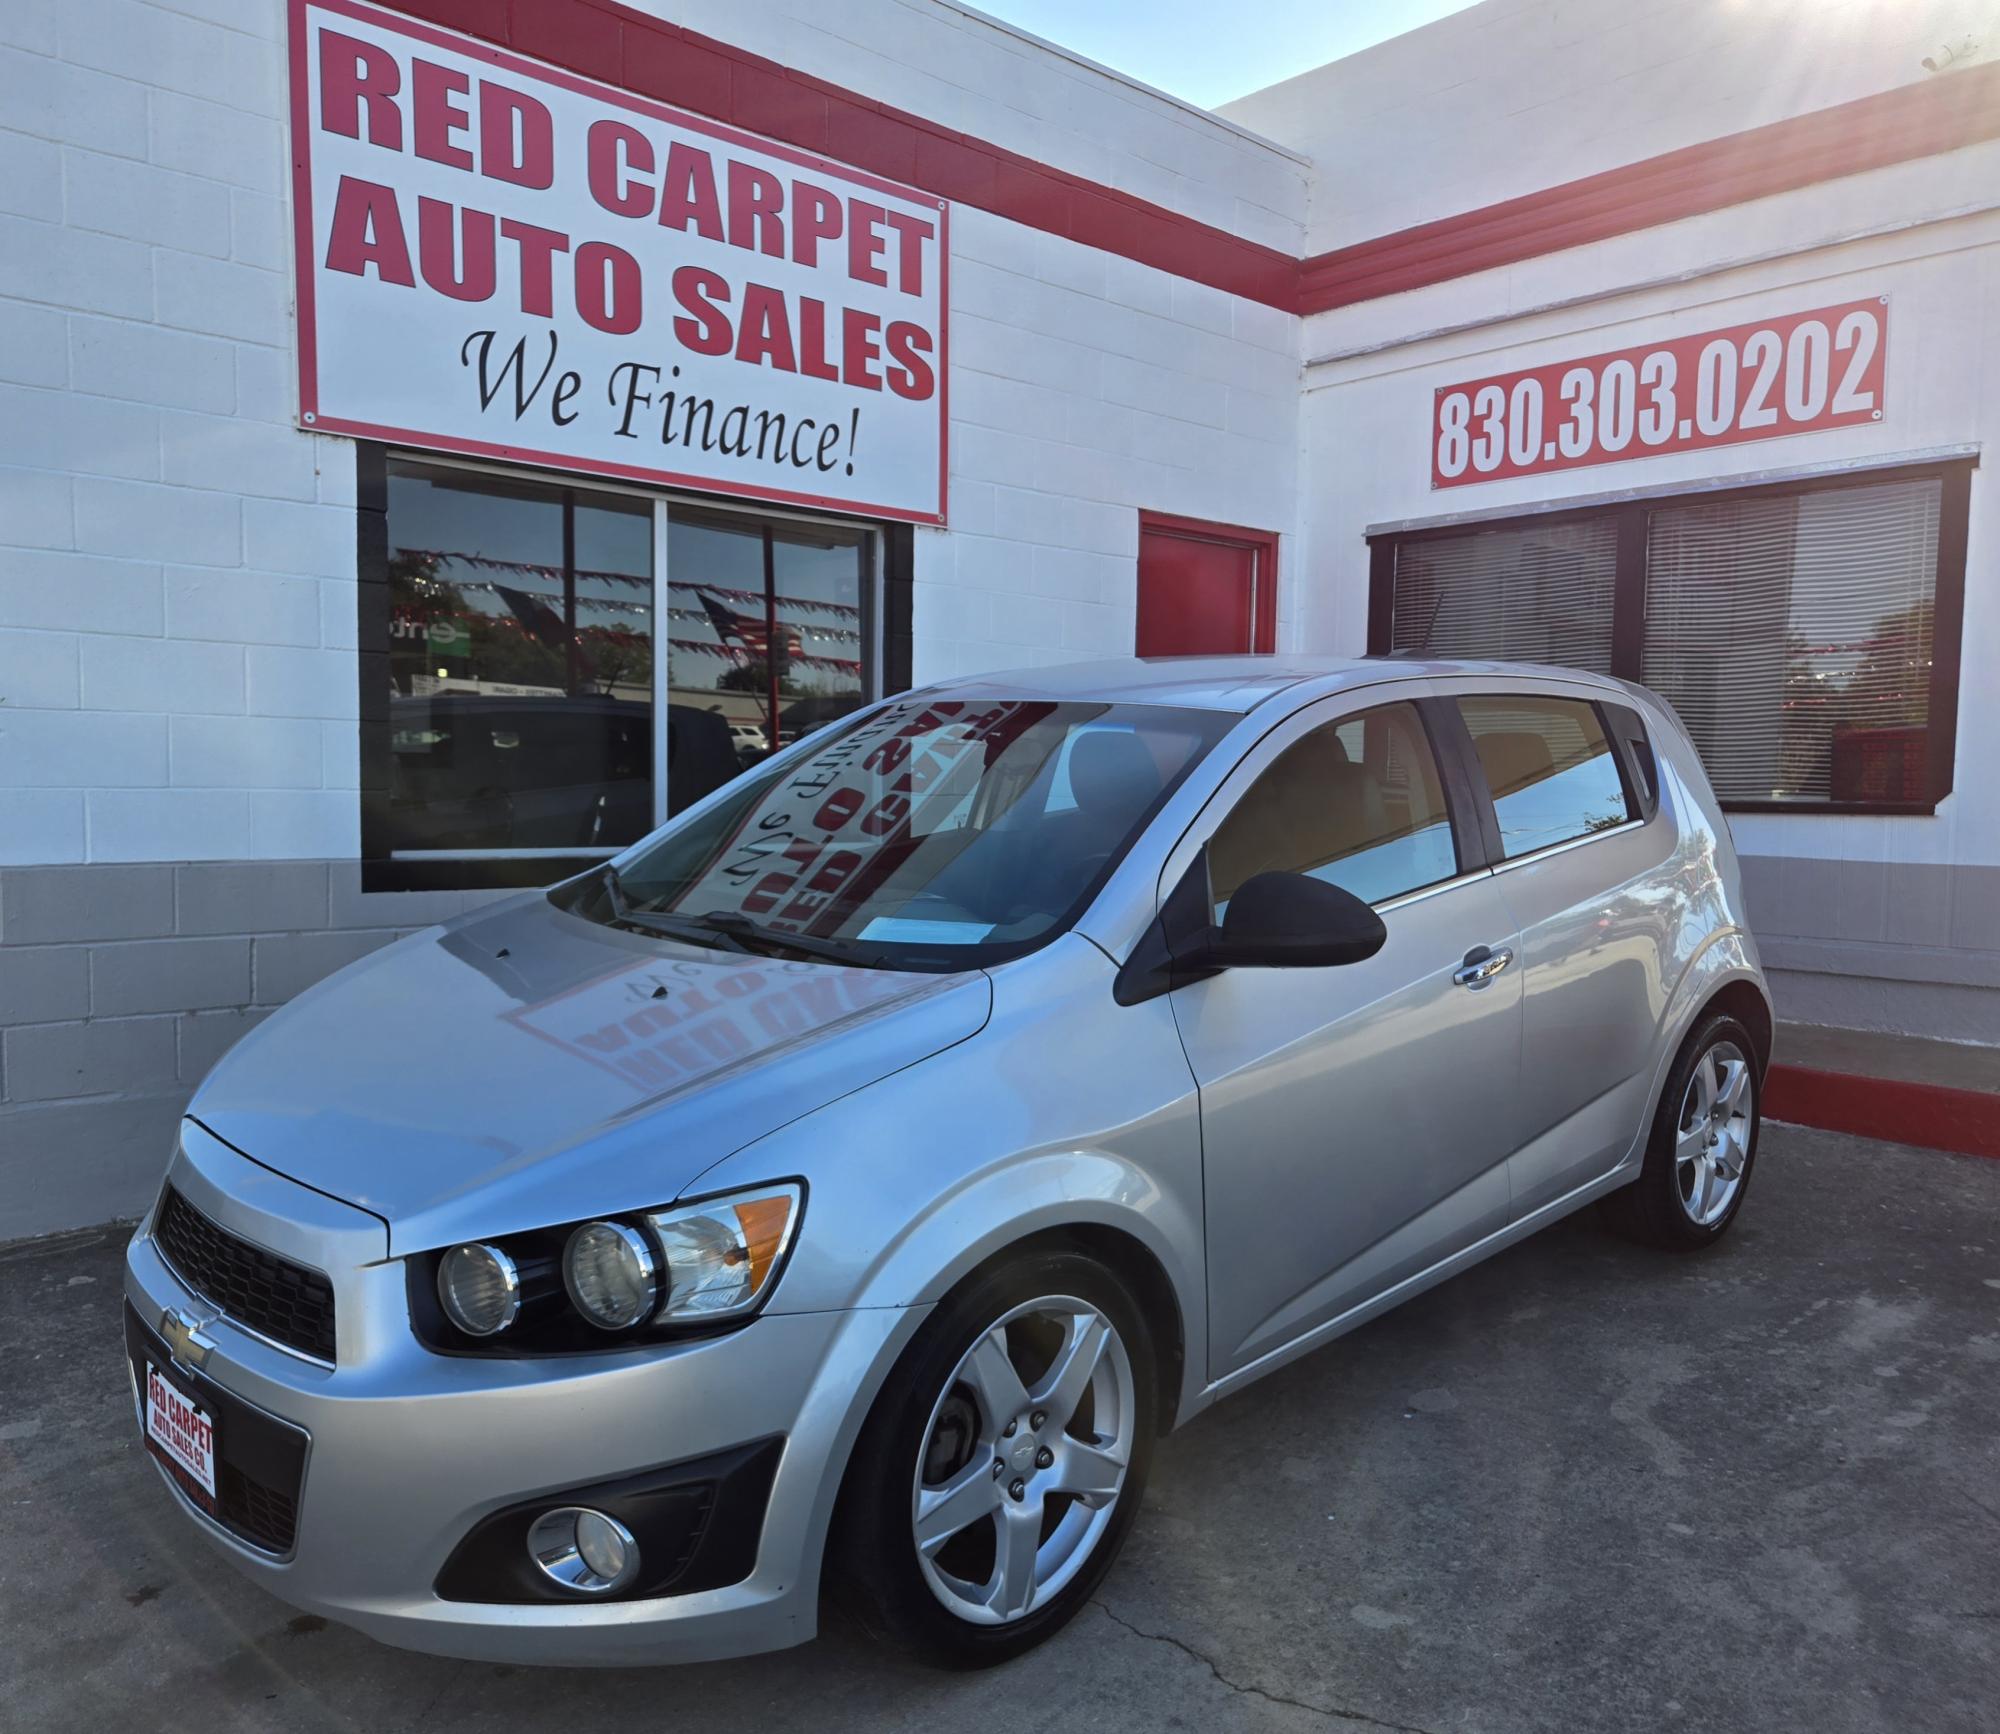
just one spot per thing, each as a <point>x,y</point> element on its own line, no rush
<point>871,1552</point>
<point>1653,1210</point>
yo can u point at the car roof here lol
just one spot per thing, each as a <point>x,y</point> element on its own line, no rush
<point>1232,683</point>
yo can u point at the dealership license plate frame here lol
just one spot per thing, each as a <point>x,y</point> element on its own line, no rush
<point>197,1466</point>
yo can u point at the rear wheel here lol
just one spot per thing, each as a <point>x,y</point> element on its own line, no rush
<point>1002,1465</point>
<point>1703,1144</point>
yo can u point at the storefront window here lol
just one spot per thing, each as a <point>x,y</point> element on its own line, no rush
<point>769,625</point>
<point>521,664</point>
<point>1540,593</point>
<point>1807,634</point>
<point>519,719</point>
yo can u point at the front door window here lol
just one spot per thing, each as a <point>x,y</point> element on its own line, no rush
<point>1357,803</point>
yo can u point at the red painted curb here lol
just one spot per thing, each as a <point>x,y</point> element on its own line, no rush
<point>1935,1116</point>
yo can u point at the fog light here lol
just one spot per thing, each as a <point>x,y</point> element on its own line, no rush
<point>584,1550</point>
<point>479,1289</point>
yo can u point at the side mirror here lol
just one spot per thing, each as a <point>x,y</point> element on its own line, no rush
<point>1291,921</point>
<point>1275,921</point>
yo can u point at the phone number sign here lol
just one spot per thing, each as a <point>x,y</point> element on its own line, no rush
<point>1797,374</point>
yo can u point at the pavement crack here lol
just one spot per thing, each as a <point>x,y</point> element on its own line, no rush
<point>1974,1500</point>
<point>1333,1713</point>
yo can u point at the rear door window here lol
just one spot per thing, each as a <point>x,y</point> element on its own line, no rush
<point>1357,803</point>
<point>1549,766</point>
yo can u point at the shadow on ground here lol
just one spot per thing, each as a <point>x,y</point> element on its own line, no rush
<point>1582,1487</point>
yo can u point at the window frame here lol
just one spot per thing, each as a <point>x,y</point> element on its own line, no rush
<point>1261,545</point>
<point>1330,710</point>
<point>1628,617</point>
<point>887,650</point>
<point>1639,811</point>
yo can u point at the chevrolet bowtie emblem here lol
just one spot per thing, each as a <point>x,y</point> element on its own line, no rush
<point>185,1339</point>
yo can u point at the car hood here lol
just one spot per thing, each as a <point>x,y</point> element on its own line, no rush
<point>523,1067</point>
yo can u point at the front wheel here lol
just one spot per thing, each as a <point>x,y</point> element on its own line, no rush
<point>1002,1465</point>
<point>1703,1144</point>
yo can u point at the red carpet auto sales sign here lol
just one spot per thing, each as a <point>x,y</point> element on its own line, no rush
<point>499,258</point>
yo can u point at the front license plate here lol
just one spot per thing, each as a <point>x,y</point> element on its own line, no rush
<point>179,1431</point>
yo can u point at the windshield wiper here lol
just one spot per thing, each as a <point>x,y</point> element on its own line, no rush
<point>725,928</point>
<point>666,926</point>
<point>750,934</point>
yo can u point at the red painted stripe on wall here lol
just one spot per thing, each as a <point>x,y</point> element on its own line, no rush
<point>1913,120</point>
<point>1931,1115</point>
<point>606,41</point>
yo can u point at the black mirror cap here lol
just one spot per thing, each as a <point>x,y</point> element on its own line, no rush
<point>1275,921</point>
<point>1293,921</point>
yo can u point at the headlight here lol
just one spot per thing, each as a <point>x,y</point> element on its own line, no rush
<point>479,1289</point>
<point>722,1254</point>
<point>609,1271</point>
<point>574,1287</point>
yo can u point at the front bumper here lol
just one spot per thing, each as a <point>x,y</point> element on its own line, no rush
<point>408,1451</point>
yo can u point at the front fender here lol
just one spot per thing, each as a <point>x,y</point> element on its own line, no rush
<point>1065,1111</point>
<point>972,1222</point>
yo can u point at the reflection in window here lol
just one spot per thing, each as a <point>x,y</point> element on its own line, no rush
<point>520,664</point>
<point>933,825</point>
<point>767,629</point>
<point>1357,803</point>
<point>1549,768</point>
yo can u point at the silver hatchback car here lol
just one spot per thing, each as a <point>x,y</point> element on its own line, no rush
<point>851,1182</point>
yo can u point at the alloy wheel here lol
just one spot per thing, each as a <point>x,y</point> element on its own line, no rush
<point>1023,1459</point>
<point>1713,1146</point>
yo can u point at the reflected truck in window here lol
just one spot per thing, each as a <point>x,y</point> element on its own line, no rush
<point>471,771</point>
<point>846,1185</point>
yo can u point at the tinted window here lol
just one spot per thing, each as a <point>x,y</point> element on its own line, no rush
<point>1357,803</point>
<point>769,627</point>
<point>1795,630</point>
<point>520,662</point>
<point>1549,767</point>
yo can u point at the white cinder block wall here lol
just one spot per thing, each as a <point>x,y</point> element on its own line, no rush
<point>1085,387</point>
<point>176,561</point>
<point>1513,96</point>
<point>179,809</point>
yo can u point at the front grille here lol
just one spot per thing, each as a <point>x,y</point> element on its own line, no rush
<point>271,1295</point>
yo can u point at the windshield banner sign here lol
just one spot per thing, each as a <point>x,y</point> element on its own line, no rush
<point>824,838</point>
<point>500,258</point>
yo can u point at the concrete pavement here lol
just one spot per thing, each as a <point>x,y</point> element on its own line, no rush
<point>1582,1487</point>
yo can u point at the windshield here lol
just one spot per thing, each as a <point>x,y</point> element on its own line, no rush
<point>932,834</point>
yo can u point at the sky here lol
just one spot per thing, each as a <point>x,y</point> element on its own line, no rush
<point>1175,45</point>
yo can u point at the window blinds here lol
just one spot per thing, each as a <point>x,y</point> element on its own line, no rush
<point>1533,593</point>
<point>1793,635</point>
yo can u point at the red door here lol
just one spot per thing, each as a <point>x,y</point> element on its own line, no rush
<point>1205,589</point>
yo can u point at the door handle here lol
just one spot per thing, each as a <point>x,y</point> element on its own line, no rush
<point>1482,963</point>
